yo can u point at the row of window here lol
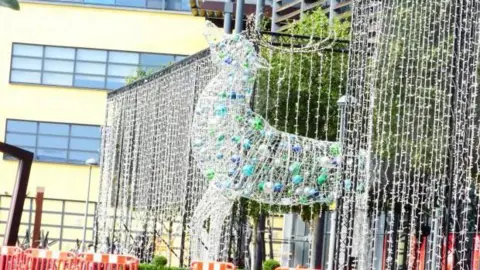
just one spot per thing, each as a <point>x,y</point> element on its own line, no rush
<point>178,5</point>
<point>55,142</point>
<point>76,67</point>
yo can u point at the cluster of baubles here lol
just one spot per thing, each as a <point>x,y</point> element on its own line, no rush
<point>244,156</point>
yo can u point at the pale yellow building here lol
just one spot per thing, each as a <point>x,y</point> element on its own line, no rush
<point>58,60</point>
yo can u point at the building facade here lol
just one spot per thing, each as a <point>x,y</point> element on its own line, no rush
<point>58,61</point>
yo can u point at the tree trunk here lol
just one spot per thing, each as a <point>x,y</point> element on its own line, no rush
<point>318,239</point>
<point>259,242</point>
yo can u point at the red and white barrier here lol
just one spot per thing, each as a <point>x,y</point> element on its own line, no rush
<point>212,266</point>
<point>42,259</point>
<point>10,258</point>
<point>106,261</point>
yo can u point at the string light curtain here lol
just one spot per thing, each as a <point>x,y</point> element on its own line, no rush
<point>413,75</point>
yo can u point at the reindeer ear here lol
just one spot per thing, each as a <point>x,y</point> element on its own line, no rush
<point>212,34</point>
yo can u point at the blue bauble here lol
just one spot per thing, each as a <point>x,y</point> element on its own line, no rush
<point>228,60</point>
<point>219,155</point>
<point>233,95</point>
<point>312,192</point>
<point>221,110</point>
<point>297,179</point>
<point>277,187</point>
<point>231,172</point>
<point>297,148</point>
<point>198,142</point>
<point>235,159</point>
<point>248,170</point>
<point>347,184</point>
<point>247,144</point>
<point>336,161</point>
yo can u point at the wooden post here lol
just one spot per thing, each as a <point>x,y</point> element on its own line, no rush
<point>38,216</point>
<point>19,192</point>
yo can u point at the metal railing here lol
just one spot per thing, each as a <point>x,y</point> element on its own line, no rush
<point>62,219</point>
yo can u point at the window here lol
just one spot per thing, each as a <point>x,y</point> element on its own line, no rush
<point>55,142</point>
<point>75,67</point>
<point>178,5</point>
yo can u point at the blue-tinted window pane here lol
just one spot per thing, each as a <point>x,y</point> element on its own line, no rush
<point>179,58</point>
<point>160,60</point>
<point>60,53</point>
<point>28,50</point>
<point>121,70</point>
<point>53,129</point>
<point>21,126</point>
<point>90,81</point>
<point>57,78</point>
<point>149,59</point>
<point>86,131</point>
<point>53,142</point>
<point>123,57</point>
<point>91,68</point>
<point>80,157</point>
<point>102,2</point>
<point>25,76</point>
<point>114,83</point>
<point>152,69</point>
<point>21,139</point>
<point>51,155</point>
<point>26,63</point>
<point>92,55</point>
<point>58,65</point>
<point>177,5</point>
<point>29,149</point>
<point>131,3</point>
<point>156,4</point>
<point>85,144</point>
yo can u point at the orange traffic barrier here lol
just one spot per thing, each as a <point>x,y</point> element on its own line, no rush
<point>212,266</point>
<point>10,258</point>
<point>97,261</point>
<point>42,259</point>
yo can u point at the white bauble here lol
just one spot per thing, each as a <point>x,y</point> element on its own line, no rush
<point>268,187</point>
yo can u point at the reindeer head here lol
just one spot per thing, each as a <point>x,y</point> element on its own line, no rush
<point>232,52</point>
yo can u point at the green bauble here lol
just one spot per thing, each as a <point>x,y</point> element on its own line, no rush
<point>295,167</point>
<point>221,137</point>
<point>222,94</point>
<point>261,186</point>
<point>236,139</point>
<point>210,174</point>
<point>322,179</point>
<point>335,149</point>
<point>303,200</point>
<point>239,118</point>
<point>257,123</point>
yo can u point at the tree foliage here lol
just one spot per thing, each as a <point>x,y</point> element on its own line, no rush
<point>139,74</point>
<point>13,4</point>
<point>309,83</point>
<point>298,93</point>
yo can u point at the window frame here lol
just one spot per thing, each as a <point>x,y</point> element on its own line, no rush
<point>67,160</point>
<point>146,6</point>
<point>76,61</point>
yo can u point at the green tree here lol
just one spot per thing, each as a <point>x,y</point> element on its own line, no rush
<point>293,91</point>
<point>139,74</point>
<point>305,82</point>
<point>13,4</point>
